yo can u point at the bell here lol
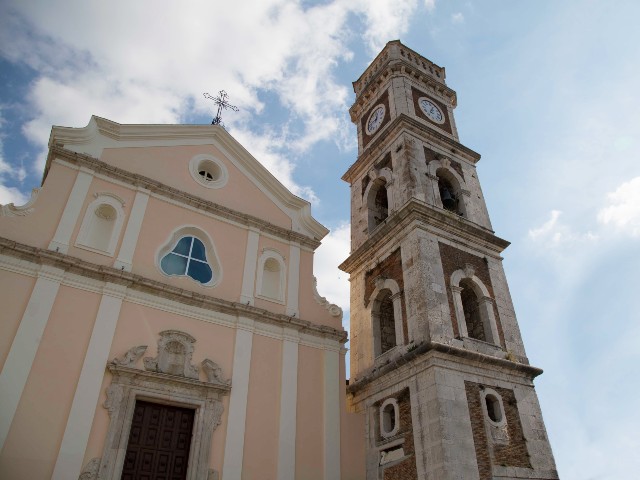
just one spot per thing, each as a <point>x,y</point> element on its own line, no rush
<point>448,201</point>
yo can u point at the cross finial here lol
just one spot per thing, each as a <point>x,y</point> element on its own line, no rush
<point>223,104</point>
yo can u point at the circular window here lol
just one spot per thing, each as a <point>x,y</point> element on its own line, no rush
<point>208,171</point>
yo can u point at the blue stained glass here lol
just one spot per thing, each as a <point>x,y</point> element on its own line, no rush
<point>173,264</point>
<point>188,257</point>
<point>198,251</point>
<point>183,246</point>
<point>200,271</point>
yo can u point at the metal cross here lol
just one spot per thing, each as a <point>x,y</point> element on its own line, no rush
<point>223,104</point>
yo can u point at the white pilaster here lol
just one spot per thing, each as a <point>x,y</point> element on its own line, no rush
<point>76,434</point>
<point>234,446</point>
<point>332,411</point>
<point>61,239</point>
<point>130,239</point>
<point>250,265</point>
<point>293,284</point>
<point>288,403</point>
<point>25,345</point>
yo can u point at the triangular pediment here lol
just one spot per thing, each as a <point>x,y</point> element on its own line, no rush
<point>101,134</point>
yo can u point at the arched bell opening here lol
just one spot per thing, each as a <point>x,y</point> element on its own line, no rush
<point>378,204</point>
<point>471,309</point>
<point>447,195</point>
<point>384,323</point>
<point>450,192</point>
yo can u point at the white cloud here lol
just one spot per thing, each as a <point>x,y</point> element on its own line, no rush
<point>386,20</point>
<point>457,18</point>
<point>267,149</point>
<point>146,72</point>
<point>332,283</point>
<point>12,195</point>
<point>7,170</point>
<point>555,233</point>
<point>546,228</point>
<point>623,211</point>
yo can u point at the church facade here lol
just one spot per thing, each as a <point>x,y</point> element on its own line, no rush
<point>160,317</point>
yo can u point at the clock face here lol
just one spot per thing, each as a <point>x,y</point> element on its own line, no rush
<point>431,110</point>
<point>375,119</point>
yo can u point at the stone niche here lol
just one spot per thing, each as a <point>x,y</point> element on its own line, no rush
<point>171,379</point>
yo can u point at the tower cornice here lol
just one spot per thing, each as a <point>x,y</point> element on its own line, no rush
<point>396,59</point>
<point>427,217</point>
<point>423,351</point>
<point>390,132</point>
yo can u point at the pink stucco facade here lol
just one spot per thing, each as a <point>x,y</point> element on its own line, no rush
<point>253,350</point>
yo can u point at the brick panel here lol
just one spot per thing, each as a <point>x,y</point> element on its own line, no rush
<point>390,267</point>
<point>453,259</point>
<point>513,454</point>
<point>480,442</point>
<point>405,470</point>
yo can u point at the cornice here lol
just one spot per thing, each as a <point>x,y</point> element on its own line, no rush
<point>417,211</point>
<point>399,68</point>
<point>136,282</point>
<point>420,351</point>
<point>140,181</point>
<point>166,379</point>
<point>101,133</point>
<point>395,50</point>
<point>391,131</point>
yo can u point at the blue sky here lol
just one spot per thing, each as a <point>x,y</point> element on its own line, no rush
<point>547,93</point>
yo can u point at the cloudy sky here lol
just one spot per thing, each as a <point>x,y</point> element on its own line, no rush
<point>547,93</point>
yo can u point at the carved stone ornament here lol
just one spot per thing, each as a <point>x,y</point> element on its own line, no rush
<point>90,470</point>
<point>499,434</point>
<point>175,350</point>
<point>11,210</point>
<point>468,270</point>
<point>445,161</point>
<point>214,419</point>
<point>213,372</point>
<point>391,455</point>
<point>334,310</point>
<point>131,357</point>
<point>114,398</point>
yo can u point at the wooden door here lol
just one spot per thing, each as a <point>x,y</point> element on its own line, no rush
<point>159,442</point>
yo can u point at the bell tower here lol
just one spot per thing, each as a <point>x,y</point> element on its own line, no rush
<point>438,366</point>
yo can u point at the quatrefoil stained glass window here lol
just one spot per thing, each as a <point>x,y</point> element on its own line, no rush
<point>188,257</point>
